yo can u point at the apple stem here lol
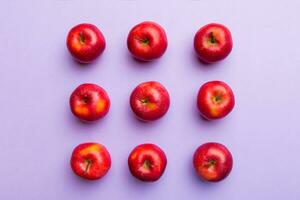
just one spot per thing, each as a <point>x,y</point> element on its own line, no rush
<point>82,38</point>
<point>88,166</point>
<point>212,38</point>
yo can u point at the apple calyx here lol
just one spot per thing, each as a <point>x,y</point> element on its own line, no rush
<point>85,99</point>
<point>217,99</point>
<point>145,101</point>
<point>147,164</point>
<point>144,41</point>
<point>210,163</point>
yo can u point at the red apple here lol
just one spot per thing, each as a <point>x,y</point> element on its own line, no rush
<point>150,101</point>
<point>147,162</point>
<point>85,42</point>
<point>215,100</point>
<point>90,161</point>
<point>147,41</point>
<point>213,42</point>
<point>89,102</point>
<point>212,161</point>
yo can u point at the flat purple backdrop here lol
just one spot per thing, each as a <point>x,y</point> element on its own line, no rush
<point>37,75</point>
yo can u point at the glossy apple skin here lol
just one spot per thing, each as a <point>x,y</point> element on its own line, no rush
<point>147,162</point>
<point>213,161</point>
<point>213,42</point>
<point>215,100</point>
<point>89,102</point>
<point>90,161</point>
<point>150,101</point>
<point>147,41</point>
<point>85,42</point>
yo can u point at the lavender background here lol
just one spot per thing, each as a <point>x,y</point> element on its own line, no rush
<point>37,75</point>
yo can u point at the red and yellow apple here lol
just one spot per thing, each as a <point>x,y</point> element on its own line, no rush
<point>213,42</point>
<point>147,162</point>
<point>85,42</point>
<point>90,161</point>
<point>215,100</point>
<point>212,161</point>
<point>147,41</point>
<point>150,101</point>
<point>89,102</point>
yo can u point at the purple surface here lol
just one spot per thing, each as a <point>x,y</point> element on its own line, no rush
<point>37,75</point>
